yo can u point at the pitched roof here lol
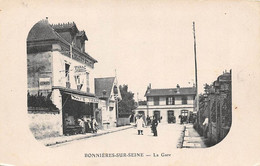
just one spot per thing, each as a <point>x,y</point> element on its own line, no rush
<point>42,31</point>
<point>171,91</point>
<point>102,84</point>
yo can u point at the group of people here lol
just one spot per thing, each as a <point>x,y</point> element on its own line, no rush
<point>140,125</point>
<point>88,126</point>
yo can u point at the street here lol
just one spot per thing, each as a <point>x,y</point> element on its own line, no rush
<point>129,141</point>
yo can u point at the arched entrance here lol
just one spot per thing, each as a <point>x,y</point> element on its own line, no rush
<point>170,116</point>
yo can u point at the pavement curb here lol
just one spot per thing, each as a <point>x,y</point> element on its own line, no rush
<point>181,139</point>
<point>87,136</point>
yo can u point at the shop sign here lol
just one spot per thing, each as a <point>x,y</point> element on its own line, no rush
<point>80,69</point>
<point>91,100</point>
<point>84,99</point>
<point>78,98</point>
<point>45,83</point>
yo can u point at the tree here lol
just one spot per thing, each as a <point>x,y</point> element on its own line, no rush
<point>127,104</point>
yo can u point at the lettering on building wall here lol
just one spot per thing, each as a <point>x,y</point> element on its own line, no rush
<point>45,83</point>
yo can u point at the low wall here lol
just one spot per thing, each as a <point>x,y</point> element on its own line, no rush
<point>123,121</point>
<point>45,124</point>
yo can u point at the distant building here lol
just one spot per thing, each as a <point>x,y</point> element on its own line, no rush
<point>168,104</point>
<point>107,90</point>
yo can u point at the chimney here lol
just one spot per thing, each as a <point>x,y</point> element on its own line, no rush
<point>149,86</point>
<point>178,88</point>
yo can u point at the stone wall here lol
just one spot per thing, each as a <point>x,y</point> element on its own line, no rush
<point>123,121</point>
<point>45,124</point>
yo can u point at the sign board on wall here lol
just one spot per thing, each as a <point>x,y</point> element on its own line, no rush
<point>84,99</point>
<point>80,70</point>
<point>45,83</point>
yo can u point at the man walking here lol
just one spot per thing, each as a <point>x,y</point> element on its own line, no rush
<point>154,126</point>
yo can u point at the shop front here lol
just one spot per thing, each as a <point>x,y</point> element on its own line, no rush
<point>77,106</point>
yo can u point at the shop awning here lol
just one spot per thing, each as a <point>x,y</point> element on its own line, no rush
<point>73,91</point>
<point>78,95</point>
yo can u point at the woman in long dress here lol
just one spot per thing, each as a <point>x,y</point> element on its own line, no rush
<point>140,125</point>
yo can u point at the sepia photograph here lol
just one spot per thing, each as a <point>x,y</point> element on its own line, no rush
<point>130,82</point>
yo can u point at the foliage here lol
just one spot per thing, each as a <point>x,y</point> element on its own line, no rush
<point>127,104</point>
<point>40,101</point>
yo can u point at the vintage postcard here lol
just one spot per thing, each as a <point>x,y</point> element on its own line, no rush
<point>130,83</point>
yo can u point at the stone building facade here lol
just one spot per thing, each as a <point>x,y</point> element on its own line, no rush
<point>59,73</point>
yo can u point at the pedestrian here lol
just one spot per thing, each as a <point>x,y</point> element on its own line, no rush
<point>82,125</point>
<point>181,119</point>
<point>94,125</point>
<point>205,127</point>
<point>154,126</point>
<point>148,120</point>
<point>88,126</point>
<point>140,125</point>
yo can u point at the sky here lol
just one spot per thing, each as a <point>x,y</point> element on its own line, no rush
<point>152,42</point>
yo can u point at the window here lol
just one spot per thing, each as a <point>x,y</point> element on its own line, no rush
<point>78,83</point>
<point>87,78</point>
<point>67,75</point>
<point>170,101</point>
<point>156,100</point>
<point>149,98</point>
<point>77,79</point>
<point>184,112</point>
<point>67,72</point>
<point>184,100</point>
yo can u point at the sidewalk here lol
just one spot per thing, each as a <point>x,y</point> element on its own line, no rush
<point>63,139</point>
<point>192,139</point>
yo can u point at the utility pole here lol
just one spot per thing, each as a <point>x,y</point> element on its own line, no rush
<point>196,76</point>
<point>137,100</point>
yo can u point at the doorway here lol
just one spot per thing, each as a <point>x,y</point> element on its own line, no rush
<point>184,114</point>
<point>170,116</point>
<point>157,115</point>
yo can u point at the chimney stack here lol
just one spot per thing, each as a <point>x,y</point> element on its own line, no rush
<point>178,88</point>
